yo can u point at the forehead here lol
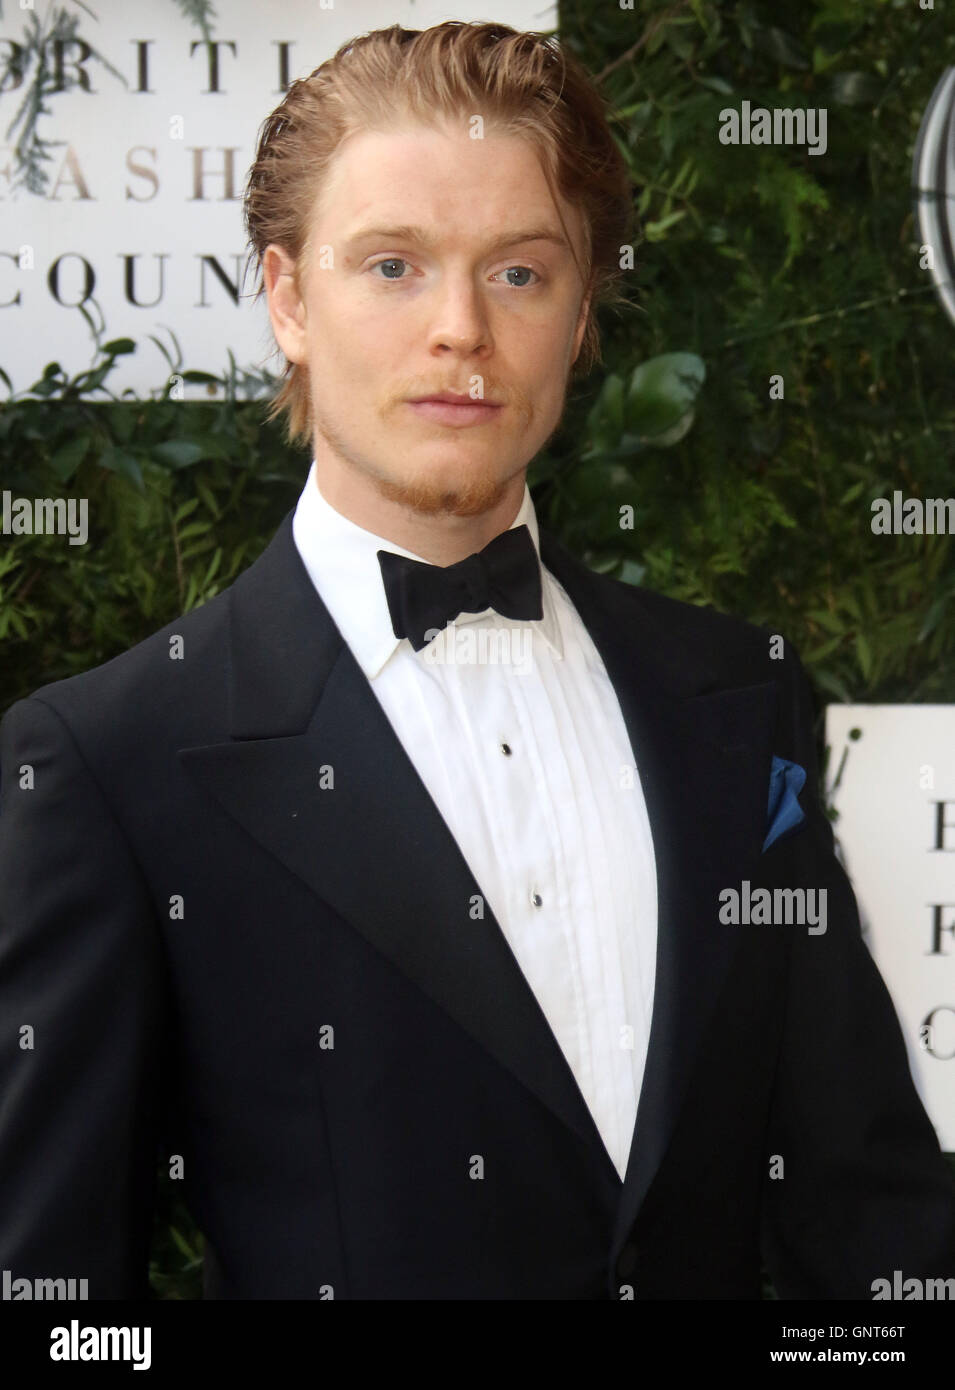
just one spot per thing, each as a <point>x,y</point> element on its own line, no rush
<point>440,177</point>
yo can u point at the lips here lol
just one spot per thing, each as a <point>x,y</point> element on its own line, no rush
<point>447,408</point>
<point>452,398</point>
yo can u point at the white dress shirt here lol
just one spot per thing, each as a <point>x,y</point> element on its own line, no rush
<point>523,748</point>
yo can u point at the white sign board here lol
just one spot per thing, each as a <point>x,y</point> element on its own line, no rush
<point>140,218</point>
<point>896,833</point>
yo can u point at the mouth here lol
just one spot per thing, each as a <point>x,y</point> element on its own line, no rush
<point>448,408</point>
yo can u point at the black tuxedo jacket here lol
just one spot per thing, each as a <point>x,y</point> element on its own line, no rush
<point>240,933</point>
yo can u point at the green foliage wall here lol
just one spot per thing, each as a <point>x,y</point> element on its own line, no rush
<point>765,260</point>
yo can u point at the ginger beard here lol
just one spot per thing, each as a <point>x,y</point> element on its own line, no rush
<point>447,486</point>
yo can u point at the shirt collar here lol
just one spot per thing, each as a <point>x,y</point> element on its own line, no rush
<point>342,562</point>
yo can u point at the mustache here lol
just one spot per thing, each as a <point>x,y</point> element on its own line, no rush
<point>467,392</point>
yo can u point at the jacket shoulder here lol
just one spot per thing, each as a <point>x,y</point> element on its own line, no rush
<point>166,673</point>
<point>744,651</point>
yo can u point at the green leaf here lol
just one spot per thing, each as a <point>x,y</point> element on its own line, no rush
<point>208,497</point>
<point>195,528</point>
<point>827,620</point>
<point>716,84</point>
<point>213,569</point>
<point>118,461</point>
<point>178,453</point>
<point>200,377</point>
<point>182,1245</point>
<point>69,456</point>
<point>185,510</point>
<point>661,396</point>
<point>86,382</point>
<point>782,47</point>
<point>851,493</point>
<point>820,653</point>
<point>855,89</point>
<point>828,680</point>
<point>682,173</point>
<point>118,346</point>
<point>654,231</point>
<point>932,617</point>
<point>605,421</point>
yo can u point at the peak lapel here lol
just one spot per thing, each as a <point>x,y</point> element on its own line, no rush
<point>373,845</point>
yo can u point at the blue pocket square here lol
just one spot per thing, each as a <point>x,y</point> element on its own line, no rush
<point>786,781</point>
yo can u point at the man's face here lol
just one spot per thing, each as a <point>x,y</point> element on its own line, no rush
<point>390,315</point>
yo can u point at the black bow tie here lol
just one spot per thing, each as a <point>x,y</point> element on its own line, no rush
<point>424,598</point>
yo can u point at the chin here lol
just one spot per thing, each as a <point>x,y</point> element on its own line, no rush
<point>448,491</point>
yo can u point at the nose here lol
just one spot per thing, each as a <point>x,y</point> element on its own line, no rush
<point>459,320</point>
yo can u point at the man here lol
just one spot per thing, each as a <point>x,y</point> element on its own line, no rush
<point>410,954</point>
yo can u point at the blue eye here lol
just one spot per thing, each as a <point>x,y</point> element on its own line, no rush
<point>399,260</point>
<point>392,260</point>
<point>520,268</point>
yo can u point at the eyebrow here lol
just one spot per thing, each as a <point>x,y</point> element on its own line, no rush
<point>427,239</point>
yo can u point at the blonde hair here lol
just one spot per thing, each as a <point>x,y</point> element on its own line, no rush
<point>523,83</point>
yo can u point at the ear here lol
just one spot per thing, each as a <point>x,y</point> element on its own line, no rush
<point>286,308</point>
